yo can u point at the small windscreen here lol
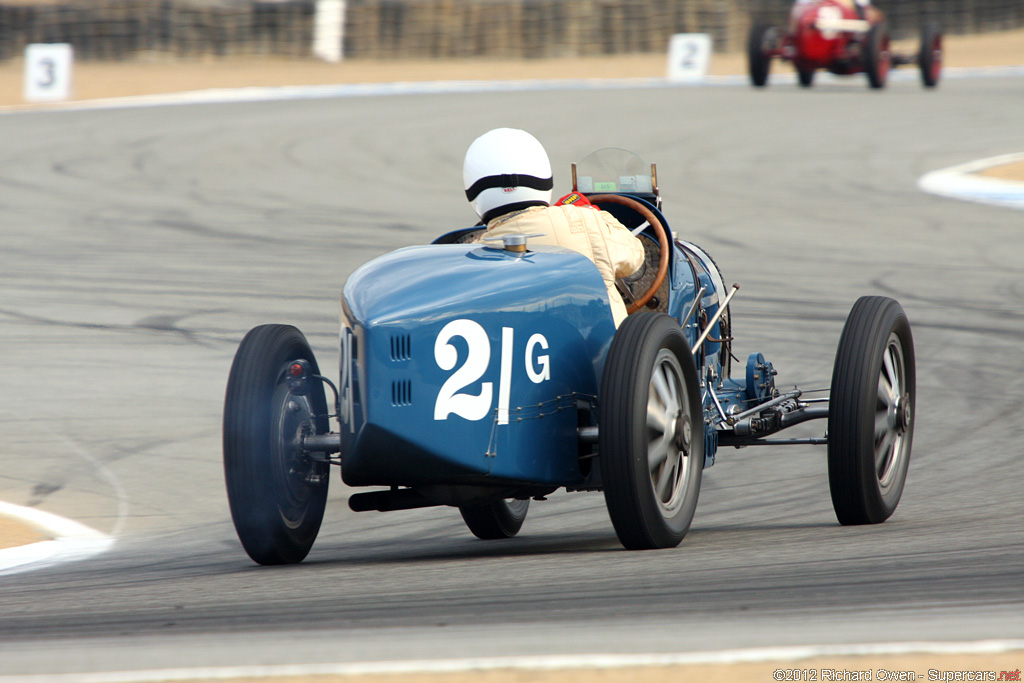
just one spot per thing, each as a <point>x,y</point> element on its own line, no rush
<point>613,170</point>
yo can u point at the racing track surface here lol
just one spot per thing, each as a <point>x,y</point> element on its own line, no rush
<point>139,245</point>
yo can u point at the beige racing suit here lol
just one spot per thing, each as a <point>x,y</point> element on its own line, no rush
<point>596,234</point>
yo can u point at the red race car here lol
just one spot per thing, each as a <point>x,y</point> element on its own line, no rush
<point>843,37</point>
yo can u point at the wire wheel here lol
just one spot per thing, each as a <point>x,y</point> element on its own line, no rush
<point>669,433</point>
<point>892,415</point>
<point>871,412</point>
<point>651,438</point>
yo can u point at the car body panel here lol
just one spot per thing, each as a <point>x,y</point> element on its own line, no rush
<point>828,34</point>
<point>466,364</point>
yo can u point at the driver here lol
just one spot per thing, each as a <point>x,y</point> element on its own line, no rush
<point>862,7</point>
<point>507,177</point>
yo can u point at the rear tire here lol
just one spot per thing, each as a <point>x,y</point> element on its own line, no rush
<point>877,58</point>
<point>929,58</point>
<point>651,432</point>
<point>805,77</point>
<point>500,519</point>
<point>276,492</point>
<point>758,60</point>
<point>871,412</point>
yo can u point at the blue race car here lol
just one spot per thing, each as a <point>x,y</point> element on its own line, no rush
<point>484,376</point>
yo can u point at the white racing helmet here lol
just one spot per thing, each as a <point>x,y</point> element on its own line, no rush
<point>506,170</point>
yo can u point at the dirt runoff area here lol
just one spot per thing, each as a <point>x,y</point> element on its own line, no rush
<point>96,80</point>
<point>1004,666</point>
<point>14,533</point>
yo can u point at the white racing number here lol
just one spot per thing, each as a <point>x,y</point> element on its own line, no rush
<point>477,406</point>
<point>449,400</point>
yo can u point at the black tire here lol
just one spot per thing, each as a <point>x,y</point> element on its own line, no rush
<point>877,58</point>
<point>805,77</point>
<point>650,387</point>
<point>871,412</point>
<point>758,62</point>
<point>500,519</point>
<point>277,493</point>
<point>929,57</point>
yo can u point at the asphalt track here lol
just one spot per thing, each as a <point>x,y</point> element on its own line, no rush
<point>138,246</point>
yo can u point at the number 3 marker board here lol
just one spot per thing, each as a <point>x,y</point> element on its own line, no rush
<point>48,72</point>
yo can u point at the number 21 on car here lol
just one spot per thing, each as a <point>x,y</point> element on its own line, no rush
<point>451,400</point>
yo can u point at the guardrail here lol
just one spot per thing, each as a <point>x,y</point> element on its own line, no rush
<point>462,29</point>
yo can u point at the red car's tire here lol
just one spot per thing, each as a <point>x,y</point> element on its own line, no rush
<point>758,60</point>
<point>805,77</point>
<point>929,58</point>
<point>877,58</point>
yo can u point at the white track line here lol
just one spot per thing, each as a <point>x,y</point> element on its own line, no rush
<point>532,663</point>
<point>962,182</point>
<point>72,541</point>
<point>347,90</point>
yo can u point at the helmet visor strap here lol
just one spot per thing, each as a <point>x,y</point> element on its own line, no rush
<point>508,180</point>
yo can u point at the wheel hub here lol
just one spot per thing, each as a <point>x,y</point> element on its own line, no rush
<point>899,414</point>
<point>681,432</point>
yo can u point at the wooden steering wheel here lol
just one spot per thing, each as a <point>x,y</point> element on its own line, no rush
<point>659,230</point>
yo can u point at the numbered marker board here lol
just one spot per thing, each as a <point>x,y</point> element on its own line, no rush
<point>689,56</point>
<point>48,72</point>
<point>328,30</point>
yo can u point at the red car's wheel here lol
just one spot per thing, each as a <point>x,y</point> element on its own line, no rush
<point>930,56</point>
<point>805,76</point>
<point>877,58</point>
<point>760,44</point>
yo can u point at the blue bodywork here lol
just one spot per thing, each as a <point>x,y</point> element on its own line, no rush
<point>464,364</point>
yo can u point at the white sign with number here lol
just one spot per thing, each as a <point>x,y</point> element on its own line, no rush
<point>329,30</point>
<point>689,56</point>
<point>48,72</point>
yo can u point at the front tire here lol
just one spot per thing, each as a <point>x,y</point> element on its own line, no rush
<point>500,519</point>
<point>929,58</point>
<point>805,76</point>
<point>871,412</point>
<point>877,58</point>
<point>277,493</point>
<point>759,60</point>
<point>651,433</point>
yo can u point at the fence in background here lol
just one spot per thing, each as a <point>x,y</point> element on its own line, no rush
<point>462,29</point>
<point>906,16</point>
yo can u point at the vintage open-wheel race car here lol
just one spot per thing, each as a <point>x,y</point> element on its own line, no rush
<point>485,375</point>
<point>843,37</point>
